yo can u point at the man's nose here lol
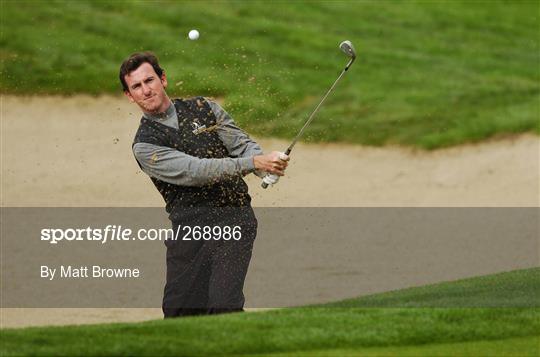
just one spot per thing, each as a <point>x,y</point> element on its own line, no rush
<point>146,89</point>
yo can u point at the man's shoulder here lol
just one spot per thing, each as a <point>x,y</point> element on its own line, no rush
<point>147,132</point>
<point>191,100</point>
<point>137,138</point>
<point>195,105</point>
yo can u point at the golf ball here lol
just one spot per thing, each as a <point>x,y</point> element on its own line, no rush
<point>193,34</point>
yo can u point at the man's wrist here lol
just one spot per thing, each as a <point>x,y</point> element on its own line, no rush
<point>247,164</point>
<point>256,163</point>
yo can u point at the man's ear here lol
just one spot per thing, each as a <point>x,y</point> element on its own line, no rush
<point>164,80</point>
<point>130,97</point>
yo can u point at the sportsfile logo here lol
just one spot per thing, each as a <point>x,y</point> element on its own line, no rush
<point>122,234</point>
<point>109,233</point>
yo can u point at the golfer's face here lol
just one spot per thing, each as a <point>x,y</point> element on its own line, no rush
<point>147,89</point>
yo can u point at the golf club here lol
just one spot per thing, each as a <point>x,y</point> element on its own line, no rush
<point>347,48</point>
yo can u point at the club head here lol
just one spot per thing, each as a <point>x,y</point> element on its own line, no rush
<point>348,48</point>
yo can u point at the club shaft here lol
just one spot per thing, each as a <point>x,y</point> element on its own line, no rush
<point>301,132</point>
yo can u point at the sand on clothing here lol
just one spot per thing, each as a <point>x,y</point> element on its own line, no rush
<point>76,152</point>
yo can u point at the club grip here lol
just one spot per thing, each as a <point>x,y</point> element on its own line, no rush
<point>271,179</point>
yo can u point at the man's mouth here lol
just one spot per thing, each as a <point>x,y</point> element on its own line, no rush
<point>150,97</point>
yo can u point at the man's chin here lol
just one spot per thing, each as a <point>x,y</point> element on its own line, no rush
<point>151,106</point>
<point>152,109</point>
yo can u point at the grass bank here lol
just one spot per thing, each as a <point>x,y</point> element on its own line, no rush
<point>331,330</point>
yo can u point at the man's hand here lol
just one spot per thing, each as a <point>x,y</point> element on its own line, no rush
<point>274,162</point>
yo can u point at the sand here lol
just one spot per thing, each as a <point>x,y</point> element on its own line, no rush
<point>76,152</point>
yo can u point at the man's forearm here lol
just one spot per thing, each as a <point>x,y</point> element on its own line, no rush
<point>178,168</point>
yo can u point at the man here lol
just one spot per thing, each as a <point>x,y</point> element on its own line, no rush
<point>196,157</point>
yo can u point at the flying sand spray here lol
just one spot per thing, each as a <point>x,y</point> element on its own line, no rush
<point>347,48</point>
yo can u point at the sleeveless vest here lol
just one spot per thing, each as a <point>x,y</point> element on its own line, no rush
<point>230,191</point>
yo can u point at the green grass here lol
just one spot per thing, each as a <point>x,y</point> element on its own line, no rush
<point>429,74</point>
<point>520,288</point>
<point>322,330</point>
<point>518,347</point>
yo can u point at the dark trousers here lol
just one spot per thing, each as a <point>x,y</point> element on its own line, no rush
<point>207,276</point>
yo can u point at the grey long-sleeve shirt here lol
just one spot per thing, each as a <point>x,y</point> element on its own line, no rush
<point>173,166</point>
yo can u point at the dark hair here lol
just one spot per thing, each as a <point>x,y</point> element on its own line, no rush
<point>135,61</point>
